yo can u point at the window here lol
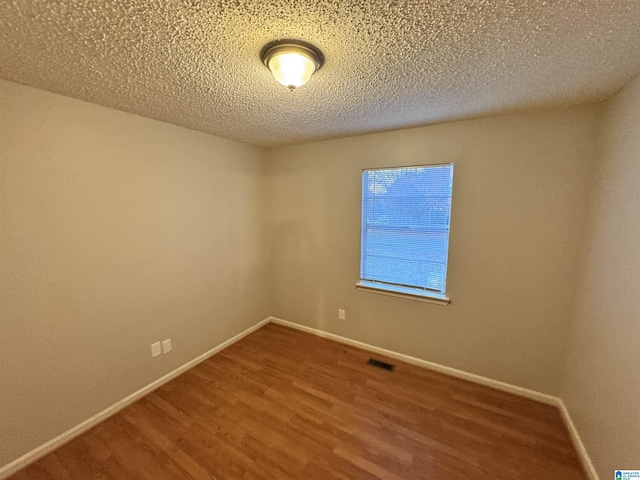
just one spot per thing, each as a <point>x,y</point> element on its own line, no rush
<point>405,230</point>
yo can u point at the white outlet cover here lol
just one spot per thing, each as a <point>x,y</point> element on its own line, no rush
<point>166,345</point>
<point>156,349</point>
<point>341,314</point>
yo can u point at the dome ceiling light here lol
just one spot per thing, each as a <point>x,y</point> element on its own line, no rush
<point>292,62</point>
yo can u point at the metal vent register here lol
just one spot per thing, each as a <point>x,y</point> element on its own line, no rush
<point>380,364</point>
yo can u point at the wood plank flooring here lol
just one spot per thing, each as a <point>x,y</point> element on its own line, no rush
<point>283,404</point>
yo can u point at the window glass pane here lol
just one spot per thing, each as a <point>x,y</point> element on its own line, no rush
<point>405,225</point>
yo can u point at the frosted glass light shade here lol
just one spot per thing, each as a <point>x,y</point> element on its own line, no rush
<point>292,65</point>
<point>291,69</point>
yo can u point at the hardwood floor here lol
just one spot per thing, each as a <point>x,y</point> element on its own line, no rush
<point>282,404</point>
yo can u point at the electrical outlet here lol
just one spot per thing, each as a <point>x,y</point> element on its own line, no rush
<point>166,345</point>
<point>156,349</point>
<point>341,314</point>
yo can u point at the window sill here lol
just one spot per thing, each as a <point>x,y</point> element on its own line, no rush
<point>402,292</point>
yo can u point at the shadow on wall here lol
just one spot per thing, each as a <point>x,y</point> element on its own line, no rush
<point>296,247</point>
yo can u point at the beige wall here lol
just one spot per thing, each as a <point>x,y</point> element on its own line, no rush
<point>602,379</point>
<point>520,191</point>
<point>115,231</point>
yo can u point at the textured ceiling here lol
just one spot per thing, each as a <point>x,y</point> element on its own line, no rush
<point>389,64</point>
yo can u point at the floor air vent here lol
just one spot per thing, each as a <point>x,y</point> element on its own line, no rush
<point>380,364</point>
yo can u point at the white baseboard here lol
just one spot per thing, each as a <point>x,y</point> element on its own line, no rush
<point>89,423</point>
<point>506,387</point>
<point>577,442</point>
<point>472,377</point>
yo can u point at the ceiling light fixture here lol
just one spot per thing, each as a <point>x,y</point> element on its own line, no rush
<point>292,62</point>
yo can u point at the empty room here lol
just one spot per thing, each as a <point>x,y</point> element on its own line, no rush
<point>319,239</point>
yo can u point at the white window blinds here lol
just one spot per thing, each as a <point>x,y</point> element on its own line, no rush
<point>405,226</point>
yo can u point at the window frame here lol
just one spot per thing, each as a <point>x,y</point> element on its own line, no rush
<point>396,290</point>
